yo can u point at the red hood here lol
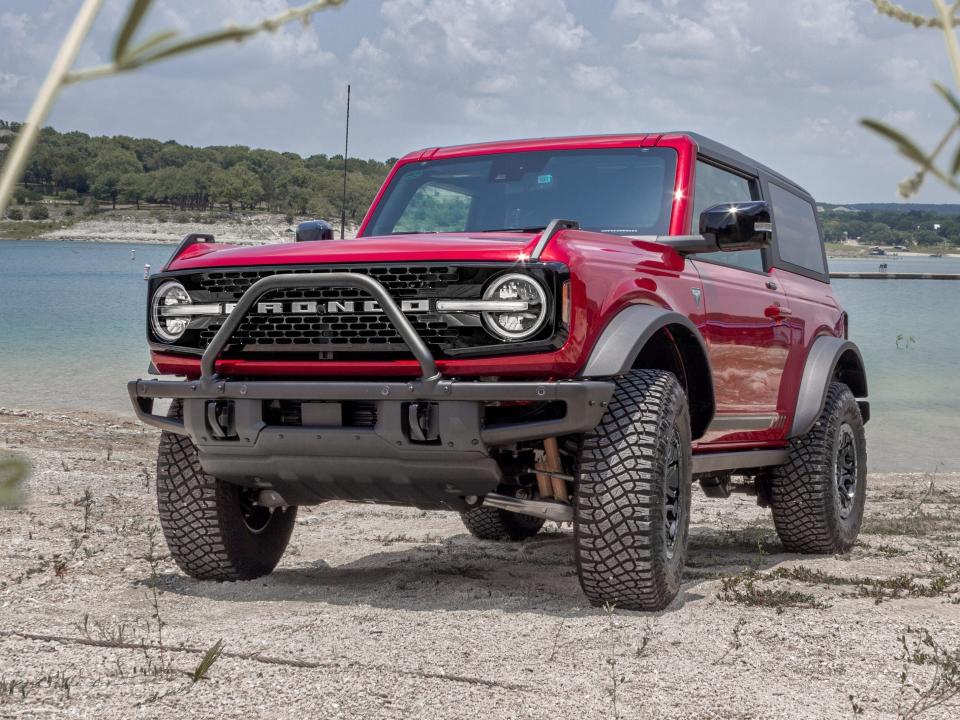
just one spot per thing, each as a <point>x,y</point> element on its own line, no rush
<point>465,247</point>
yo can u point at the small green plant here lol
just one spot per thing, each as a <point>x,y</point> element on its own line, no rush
<point>610,610</point>
<point>743,590</point>
<point>15,214</point>
<point>39,212</point>
<point>207,661</point>
<point>153,560</point>
<point>941,682</point>
<point>86,501</point>
<point>736,643</point>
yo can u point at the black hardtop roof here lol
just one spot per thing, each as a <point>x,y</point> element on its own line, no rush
<point>723,152</point>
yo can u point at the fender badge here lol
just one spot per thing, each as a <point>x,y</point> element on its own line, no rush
<point>696,295</point>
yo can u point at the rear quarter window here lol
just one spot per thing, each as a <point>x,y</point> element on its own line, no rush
<point>798,236</point>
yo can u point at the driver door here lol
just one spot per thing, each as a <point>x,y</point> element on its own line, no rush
<point>744,314</point>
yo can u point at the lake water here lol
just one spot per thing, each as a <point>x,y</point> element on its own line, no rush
<point>72,319</point>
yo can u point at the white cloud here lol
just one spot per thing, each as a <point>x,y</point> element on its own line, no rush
<point>602,80</point>
<point>8,81</point>
<point>786,81</point>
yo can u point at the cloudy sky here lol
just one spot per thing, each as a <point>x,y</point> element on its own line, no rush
<point>783,80</point>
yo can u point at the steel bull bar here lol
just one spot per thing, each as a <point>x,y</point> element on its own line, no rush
<point>387,462</point>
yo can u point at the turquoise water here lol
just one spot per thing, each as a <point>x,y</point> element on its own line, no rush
<point>72,334</point>
<point>914,388</point>
<point>72,322</point>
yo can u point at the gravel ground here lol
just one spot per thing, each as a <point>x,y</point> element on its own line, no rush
<point>379,612</point>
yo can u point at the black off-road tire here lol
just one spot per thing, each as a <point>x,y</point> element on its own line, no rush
<point>632,510</point>
<point>488,523</point>
<point>203,518</point>
<point>818,496</point>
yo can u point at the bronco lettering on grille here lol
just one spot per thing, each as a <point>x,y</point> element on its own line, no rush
<point>334,307</point>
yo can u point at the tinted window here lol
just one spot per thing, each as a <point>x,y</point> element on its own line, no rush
<point>798,237</point>
<point>622,191</point>
<point>716,186</point>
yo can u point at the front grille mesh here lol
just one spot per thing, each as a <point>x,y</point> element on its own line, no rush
<point>351,335</point>
<point>358,331</point>
<point>400,281</point>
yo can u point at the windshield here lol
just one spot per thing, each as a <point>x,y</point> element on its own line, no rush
<point>625,191</point>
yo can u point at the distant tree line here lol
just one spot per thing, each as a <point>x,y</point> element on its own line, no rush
<point>74,166</point>
<point>891,227</point>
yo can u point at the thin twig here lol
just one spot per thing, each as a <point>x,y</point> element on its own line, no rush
<point>265,659</point>
<point>30,130</point>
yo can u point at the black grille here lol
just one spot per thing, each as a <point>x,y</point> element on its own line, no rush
<point>358,334</point>
<point>400,281</point>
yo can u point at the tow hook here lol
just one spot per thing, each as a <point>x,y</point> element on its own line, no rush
<point>220,419</point>
<point>423,421</point>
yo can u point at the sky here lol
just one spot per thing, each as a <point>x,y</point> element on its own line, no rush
<point>785,81</point>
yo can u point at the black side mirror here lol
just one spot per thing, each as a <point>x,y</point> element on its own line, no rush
<point>314,230</point>
<point>738,226</point>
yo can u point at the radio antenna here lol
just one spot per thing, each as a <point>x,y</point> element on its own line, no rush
<point>346,148</point>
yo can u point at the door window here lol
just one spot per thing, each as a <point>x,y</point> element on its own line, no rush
<point>717,186</point>
<point>798,236</point>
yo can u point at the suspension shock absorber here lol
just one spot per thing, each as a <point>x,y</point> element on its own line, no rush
<point>550,479</point>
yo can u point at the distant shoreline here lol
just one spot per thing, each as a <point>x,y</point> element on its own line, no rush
<point>260,229</point>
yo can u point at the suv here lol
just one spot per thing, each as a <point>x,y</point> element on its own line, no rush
<point>522,331</point>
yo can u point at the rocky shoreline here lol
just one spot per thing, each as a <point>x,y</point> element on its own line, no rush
<point>257,229</point>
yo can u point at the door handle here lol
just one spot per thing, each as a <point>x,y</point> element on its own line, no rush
<point>771,285</point>
<point>777,311</point>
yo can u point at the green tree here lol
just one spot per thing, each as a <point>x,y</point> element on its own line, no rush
<point>112,164</point>
<point>133,187</point>
<point>224,189</point>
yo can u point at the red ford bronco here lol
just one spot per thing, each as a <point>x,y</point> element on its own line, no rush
<point>568,329</point>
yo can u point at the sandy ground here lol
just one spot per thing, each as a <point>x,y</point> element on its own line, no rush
<point>378,612</point>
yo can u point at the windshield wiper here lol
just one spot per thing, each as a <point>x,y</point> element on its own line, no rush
<point>537,228</point>
<point>416,232</point>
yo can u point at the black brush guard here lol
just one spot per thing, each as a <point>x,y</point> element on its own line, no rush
<point>393,461</point>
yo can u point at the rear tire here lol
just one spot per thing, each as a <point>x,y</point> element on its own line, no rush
<point>632,509</point>
<point>495,524</point>
<point>818,496</point>
<point>213,529</point>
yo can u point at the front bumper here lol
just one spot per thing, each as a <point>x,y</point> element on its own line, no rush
<point>389,461</point>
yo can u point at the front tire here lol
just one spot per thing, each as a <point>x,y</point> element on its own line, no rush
<point>818,496</point>
<point>214,529</point>
<point>487,523</point>
<point>632,509</point>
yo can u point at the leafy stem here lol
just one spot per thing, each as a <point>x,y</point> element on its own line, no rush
<point>127,55</point>
<point>946,19</point>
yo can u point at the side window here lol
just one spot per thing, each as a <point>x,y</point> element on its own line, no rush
<point>437,208</point>
<point>798,237</point>
<point>715,186</point>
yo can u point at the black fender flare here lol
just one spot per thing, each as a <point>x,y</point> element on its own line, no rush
<point>829,358</point>
<point>626,335</point>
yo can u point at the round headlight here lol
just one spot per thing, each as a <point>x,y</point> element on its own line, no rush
<point>516,324</point>
<point>166,311</point>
